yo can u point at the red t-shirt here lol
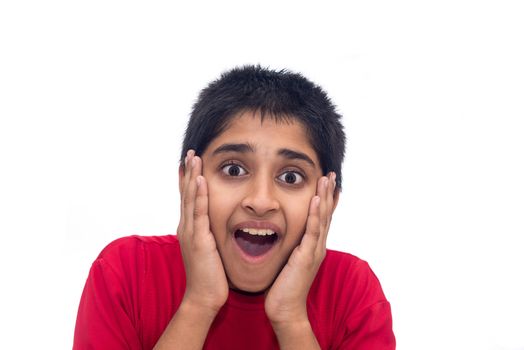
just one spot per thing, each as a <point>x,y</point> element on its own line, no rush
<point>137,283</point>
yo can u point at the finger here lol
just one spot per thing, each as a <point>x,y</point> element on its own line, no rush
<point>187,168</point>
<point>323,190</point>
<point>330,199</point>
<point>310,238</point>
<point>185,184</point>
<point>200,213</point>
<point>194,165</point>
<point>182,180</point>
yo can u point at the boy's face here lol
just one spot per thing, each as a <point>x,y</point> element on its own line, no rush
<point>261,178</point>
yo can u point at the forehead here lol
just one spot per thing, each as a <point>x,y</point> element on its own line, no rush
<point>266,134</point>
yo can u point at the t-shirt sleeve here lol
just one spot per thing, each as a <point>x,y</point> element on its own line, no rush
<point>372,330</point>
<point>105,319</point>
<point>369,326</point>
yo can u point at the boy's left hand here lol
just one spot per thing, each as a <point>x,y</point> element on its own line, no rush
<point>285,303</point>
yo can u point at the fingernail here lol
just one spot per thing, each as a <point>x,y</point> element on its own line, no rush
<point>193,162</point>
<point>316,201</point>
<point>325,182</point>
<point>199,181</point>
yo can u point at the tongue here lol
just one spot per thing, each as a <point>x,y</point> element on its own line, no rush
<point>254,245</point>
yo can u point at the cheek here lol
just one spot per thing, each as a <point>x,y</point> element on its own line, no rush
<point>218,193</point>
<point>297,212</point>
<point>221,203</point>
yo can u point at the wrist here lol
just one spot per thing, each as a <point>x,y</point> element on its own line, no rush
<point>295,335</point>
<point>291,326</point>
<point>285,316</point>
<point>188,328</point>
<point>199,310</point>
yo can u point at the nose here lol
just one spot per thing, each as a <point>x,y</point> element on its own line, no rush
<point>260,199</point>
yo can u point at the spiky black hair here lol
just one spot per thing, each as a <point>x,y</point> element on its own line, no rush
<point>281,95</point>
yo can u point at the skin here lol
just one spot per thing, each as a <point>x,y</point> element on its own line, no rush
<point>271,176</point>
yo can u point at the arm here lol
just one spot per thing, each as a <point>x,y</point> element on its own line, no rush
<point>206,283</point>
<point>286,300</point>
<point>188,328</point>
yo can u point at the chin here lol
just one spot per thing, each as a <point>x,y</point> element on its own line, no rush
<point>250,287</point>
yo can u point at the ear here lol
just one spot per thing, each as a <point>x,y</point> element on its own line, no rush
<point>181,174</point>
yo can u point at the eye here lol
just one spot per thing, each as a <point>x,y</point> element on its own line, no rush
<point>291,177</point>
<point>233,170</point>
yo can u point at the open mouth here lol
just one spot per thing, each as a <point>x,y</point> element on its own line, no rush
<point>255,242</point>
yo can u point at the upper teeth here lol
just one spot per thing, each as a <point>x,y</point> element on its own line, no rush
<point>258,232</point>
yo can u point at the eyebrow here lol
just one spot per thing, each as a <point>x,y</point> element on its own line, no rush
<point>246,147</point>
<point>234,147</point>
<point>290,154</point>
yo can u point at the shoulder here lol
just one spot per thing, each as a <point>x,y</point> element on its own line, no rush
<point>348,297</point>
<point>345,264</point>
<point>347,277</point>
<point>335,256</point>
<point>130,244</point>
<point>128,252</point>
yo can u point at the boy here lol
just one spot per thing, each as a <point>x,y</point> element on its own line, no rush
<point>259,180</point>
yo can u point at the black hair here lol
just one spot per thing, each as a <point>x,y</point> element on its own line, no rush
<point>281,95</point>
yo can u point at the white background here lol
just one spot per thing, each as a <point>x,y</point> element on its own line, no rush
<point>94,97</point>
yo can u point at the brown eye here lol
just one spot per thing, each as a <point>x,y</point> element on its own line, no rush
<point>233,170</point>
<point>291,178</point>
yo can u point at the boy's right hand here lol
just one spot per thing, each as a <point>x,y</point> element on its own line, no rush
<point>206,283</point>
